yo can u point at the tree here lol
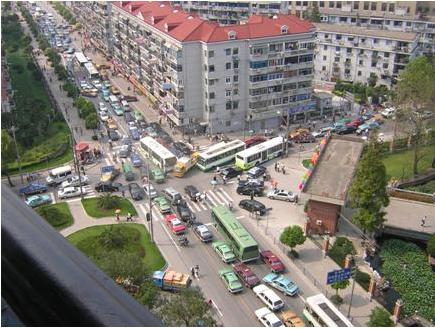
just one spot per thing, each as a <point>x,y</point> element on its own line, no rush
<point>108,201</point>
<point>373,78</point>
<point>112,238</point>
<point>340,285</point>
<point>187,309</point>
<point>380,318</point>
<point>148,294</point>
<point>415,95</point>
<point>8,154</point>
<point>431,246</point>
<point>368,192</point>
<point>315,13</point>
<point>292,236</point>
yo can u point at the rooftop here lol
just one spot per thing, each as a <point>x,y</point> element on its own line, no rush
<point>358,30</point>
<point>334,171</point>
<point>188,27</point>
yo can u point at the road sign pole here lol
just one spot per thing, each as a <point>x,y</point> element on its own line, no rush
<point>351,297</point>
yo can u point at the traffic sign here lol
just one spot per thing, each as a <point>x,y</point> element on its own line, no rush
<point>338,275</point>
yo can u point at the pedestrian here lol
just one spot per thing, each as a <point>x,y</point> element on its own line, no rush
<point>224,180</point>
<point>276,166</point>
<point>218,170</point>
<point>117,217</point>
<point>283,170</point>
<point>129,217</point>
<point>123,193</point>
<point>423,221</point>
<point>81,131</point>
<point>239,178</point>
<point>265,177</point>
<point>192,271</point>
<point>197,271</point>
<point>205,196</point>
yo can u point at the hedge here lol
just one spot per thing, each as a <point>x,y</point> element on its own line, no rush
<point>341,248</point>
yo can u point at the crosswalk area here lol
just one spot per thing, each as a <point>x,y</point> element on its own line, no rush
<point>214,198</point>
<point>88,192</point>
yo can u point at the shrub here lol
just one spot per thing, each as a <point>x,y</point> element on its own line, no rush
<point>341,248</point>
<point>363,279</point>
<point>91,121</point>
<point>108,201</point>
<point>431,246</point>
<point>380,318</point>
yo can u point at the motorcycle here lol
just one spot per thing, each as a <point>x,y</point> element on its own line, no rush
<point>182,241</point>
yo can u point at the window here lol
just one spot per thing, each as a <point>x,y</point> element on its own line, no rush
<point>338,37</point>
<point>206,81</point>
<point>384,6</point>
<point>231,35</point>
<point>324,58</point>
<point>338,4</point>
<point>211,53</point>
<point>325,47</point>
<point>227,93</point>
<point>211,82</point>
<point>235,64</point>
<point>385,65</point>
<point>211,95</point>
<point>386,55</point>
<point>235,51</point>
<point>337,48</point>
<point>331,4</point>
<point>228,80</point>
<point>361,62</point>
<point>349,50</point>
<point>359,73</point>
<point>375,41</point>
<point>228,105</point>
<point>336,59</point>
<point>284,29</point>
<point>356,5</point>
<point>228,51</point>
<point>391,7</point>
<point>321,4</point>
<point>179,68</point>
<point>235,105</point>
<point>235,91</point>
<point>373,5</point>
<point>228,66</point>
<point>228,123</point>
<point>323,68</point>
<point>211,68</point>
<point>366,5</point>
<point>258,64</point>
<point>235,78</point>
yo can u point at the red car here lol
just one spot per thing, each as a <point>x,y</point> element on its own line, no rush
<point>254,140</point>
<point>356,123</point>
<point>176,226</point>
<point>272,261</point>
<point>246,275</point>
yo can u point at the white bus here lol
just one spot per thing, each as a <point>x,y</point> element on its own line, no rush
<point>159,154</point>
<point>81,58</point>
<point>320,312</point>
<point>260,153</point>
<point>219,154</point>
<point>91,71</point>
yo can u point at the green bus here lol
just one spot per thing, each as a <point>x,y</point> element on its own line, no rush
<point>242,243</point>
<point>128,172</point>
<point>260,153</point>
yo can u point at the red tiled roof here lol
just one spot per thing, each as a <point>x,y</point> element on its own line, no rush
<point>185,27</point>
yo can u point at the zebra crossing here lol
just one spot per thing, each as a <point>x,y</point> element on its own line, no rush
<point>214,198</point>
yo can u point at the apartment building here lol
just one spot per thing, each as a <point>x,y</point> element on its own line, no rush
<point>354,53</point>
<point>225,77</point>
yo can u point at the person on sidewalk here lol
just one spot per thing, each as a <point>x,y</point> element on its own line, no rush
<point>283,170</point>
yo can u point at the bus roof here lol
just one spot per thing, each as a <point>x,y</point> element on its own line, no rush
<point>57,171</point>
<point>91,68</point>
<point>81,58</point>
<point>327,311</point>
<point>260,147</point>
<point>157,148</point>
<point>228,219</point>
<point>220,148</point>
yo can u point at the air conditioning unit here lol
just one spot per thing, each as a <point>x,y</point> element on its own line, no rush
<point>319,222</point>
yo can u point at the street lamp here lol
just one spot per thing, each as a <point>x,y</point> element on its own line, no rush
<point>149,215</point>
<point>13,129</point>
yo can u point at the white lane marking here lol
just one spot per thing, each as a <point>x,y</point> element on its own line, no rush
<point>226,194</point>
<point>219,199</point>
<point>217,308</point>
<point>53,199</point>
<point>107,161</point>
<point>76,199</point>
<point>209,224</point>
<point>240,217</point>
<point>302,298</point>
<point>195,204</point>
<point>211,197</point>
<point>155,214</point>
<point>202,205</point>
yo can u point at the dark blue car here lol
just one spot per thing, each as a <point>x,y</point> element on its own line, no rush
<point>33,188</point>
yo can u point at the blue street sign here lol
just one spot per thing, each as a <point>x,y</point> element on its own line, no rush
<point>338,275</point>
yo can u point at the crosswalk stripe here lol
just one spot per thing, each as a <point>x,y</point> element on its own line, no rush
<point>212,196</point>
<point>155,213</point>
<point>107,161</point>
<point>202,205</point>
<point>220,197</point>
<point>226,194</point>
<point>195,204</point>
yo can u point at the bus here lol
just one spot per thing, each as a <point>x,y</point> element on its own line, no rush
<point>260,153</point>
<point>219,154</point>
<point>81,58</point>
<point>128,172</point>
<point>159,154</point>
<point>91,71</point>
<point>242,243</point>
<point>320,312</point>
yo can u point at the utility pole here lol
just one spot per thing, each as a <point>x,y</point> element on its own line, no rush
<point>354,269</point>
<point>13,128</point>
<point>76,164</point>
<point>150,217</point>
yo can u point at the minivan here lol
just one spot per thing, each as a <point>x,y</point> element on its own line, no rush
<point>268,297</point>
<point>171,195</point>
<point>59,175</point>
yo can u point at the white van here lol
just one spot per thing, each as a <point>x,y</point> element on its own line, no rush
<point>125,105</point>
<point>268,297</point>
<point>59,175</point>
<point>113,99</point>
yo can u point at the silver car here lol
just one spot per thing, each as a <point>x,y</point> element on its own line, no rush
<point>124,152</point>
<point>282,195</point>
<point>151,193</point>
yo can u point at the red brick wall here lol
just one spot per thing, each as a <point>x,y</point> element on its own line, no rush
<point>327,213</point>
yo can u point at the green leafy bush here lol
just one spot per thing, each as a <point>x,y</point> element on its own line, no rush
<point>363,279</point>
<point>406,266</point>
<point>341,248</point>
<point>431,246</point>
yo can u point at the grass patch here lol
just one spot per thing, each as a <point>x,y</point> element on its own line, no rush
<point>138,242</point>
<point>57,215</point>
<point>399,165</point>
<point>94,210</point>
<point>429,188</point>
<point>306,163</point>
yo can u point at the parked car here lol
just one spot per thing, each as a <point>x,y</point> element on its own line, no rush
<point>150,191</point>
<point>135,191</point>
<point>254,140</point>
<point>304,138</point>
<point>230,172</point>
<point>192,192</point>
<point>33,188</point>
<point>256,172</point>
<point>344,130</point>
<point>157,175</point>
<point>162,205</point>
<point>282,195</point>
<point>129,98</point>
<point>69,192</point>
<point>135,160</point>
<point>38,200</point>
<point>321,132</point>
<point>74,181</point>
<point>367,126</point>
<point>281,283</point>
<point>174,224</point>
<point>202,232</point>
<point>246,275</point>
<point>97,84</point>
<point>108,187</point>
<point>253,206</point>
<point>272,261</point>
<point>231,281</point>
<point>356,122</point>
<point>268,318</point>
<point>249,190</point>
<point>252,182</point>
<point>114,90</point>
<point>224,251</point>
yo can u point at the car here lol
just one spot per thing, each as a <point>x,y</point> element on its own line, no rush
<point>192,192</point>
<point>272,261</point>
<point>224,251</point>
<point>70,51</point>
<point>117,109</point>
<point>104,116</point>
<point>304,138</point>
<point>246,275</point>
<point>131,124</point>
<point>256,172</point>
<point>367,126</point>
<point>84,84</point>
<point>388,112</point>
<point>114,90</point>
<point>33,188</point>
<point>69,192</point>
<point>183,210</point>
<point>124,151</point>
<point>290,319</point>
<point>253,206</point>
<point>175,225</point>
<point>282,283</point>
<point>97,84</point>
<point>182,147</point>
<point>268,318</point>
<point>344,130</point>
<point>135,159</point>
<point>252,182</point>
<point>282,195</point>
<point>130,98</point>
<point>128,117</point>
<point>136,192</point>
<point>107,83</point>
<point>157,175</point>
<point>108,187</point>
<point>150,191</point>
<point>75,182</point>
<point>113,134</point>
<point>134,132</point>
<point>254,140</point>
<point>38,200</point>
<point>356,122</point>
<point>249,190</point>
<point>231,281</point>
<point>162,205</point>
<point>230,172</point>
<point>321,132</point>
<point>203,233</point>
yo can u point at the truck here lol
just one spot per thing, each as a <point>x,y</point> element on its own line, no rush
<point>184,164</point>
<point>108,173</point>
<point>171,280</point>
<point>111,124</point>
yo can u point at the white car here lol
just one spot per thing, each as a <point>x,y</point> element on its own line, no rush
<point>84,84</point>
<point>104,116</point>
<point>388,112</point>
<point>151,193</point>
<point>97,84</point>
<point>131,124</point>
<point>73,181</point>
<point>282,195</point>
<point>69,192</point>
<point>268,318</point>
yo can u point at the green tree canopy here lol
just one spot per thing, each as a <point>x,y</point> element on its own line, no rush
<point>292,236</point>
<point>431,246</point>
<point>148,294</point>
<point>380,318</point>
<point>340,285</point>
<point>315,13</point>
